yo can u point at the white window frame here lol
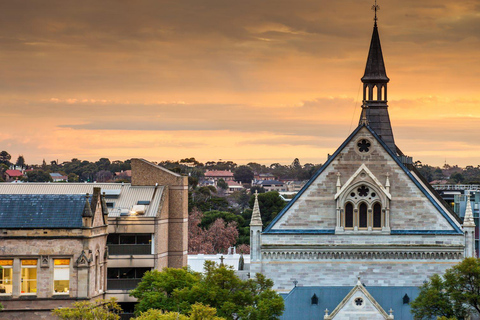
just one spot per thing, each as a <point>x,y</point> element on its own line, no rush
<point>61,267</point>
<point>22,279</point>
<point>11,277</point>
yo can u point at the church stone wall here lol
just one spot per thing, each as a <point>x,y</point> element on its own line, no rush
<point>345,272</point>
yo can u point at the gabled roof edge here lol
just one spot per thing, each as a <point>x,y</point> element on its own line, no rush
<point>415,181</point>
<point>390,152</point>
<point>305,187</point>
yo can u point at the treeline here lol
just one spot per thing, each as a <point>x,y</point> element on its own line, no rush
<point>76,170</point>
<point>450,174</point>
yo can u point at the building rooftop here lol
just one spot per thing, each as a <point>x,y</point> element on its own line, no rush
<point>218,173</point>
<point>42,210</point>
<point>120,197</point>
<point>14,173</point>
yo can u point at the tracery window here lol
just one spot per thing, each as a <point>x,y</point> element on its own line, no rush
<point>362,216</point>
<point>377,215</point>
<point>362,208</point>
<point>349,215</point>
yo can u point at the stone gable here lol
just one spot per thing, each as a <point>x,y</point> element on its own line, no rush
<point>410,208</point>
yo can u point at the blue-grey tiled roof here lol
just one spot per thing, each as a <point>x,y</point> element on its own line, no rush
<point>41,210</point>
<point>298,303</point>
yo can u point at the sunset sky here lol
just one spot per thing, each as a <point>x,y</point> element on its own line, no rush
<point>247,81</point>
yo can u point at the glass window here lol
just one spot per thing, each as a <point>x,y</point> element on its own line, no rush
<point>113,273</point>
<point>377,215</point>
<point>113,238</point>
<point>61,276</point>
<point>139,272</point>
<point>127,239</point>
<point>127,273</point>
<point>144,239</point>
<point>6,277</point>
<point>29,277</point>
<point>349,215</point>
<point>362,216</point>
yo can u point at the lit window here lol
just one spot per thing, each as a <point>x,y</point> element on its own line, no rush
<point>6,276</point>
<point>61,276</point>
<point>29,277</point>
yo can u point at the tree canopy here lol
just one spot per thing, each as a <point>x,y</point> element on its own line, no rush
<point>454,295</point>
<point>219,287</point>
<point>85,310</point>
<point>243,174</point>
<point>199,312</point>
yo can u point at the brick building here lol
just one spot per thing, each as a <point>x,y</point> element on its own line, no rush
<point>53,252</point>
<point>147,229</point>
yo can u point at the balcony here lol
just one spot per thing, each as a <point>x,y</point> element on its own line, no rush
<point>129,249</point>
<point>122,284</point>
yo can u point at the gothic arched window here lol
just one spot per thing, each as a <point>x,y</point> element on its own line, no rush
<point>362,216</point>
<point>377,215</point>
<point>349,215</point>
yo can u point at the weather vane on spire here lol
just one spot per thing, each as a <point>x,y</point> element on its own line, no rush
<point>375,7</point>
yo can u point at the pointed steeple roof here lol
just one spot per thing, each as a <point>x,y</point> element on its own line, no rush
<point>256,217</point>
<point>375,69</point>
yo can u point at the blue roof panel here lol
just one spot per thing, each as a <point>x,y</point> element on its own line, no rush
<point>41,211</point>
<point>298,303</point>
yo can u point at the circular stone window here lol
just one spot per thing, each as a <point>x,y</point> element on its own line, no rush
<point>358,302</point>
<point>364,145</point>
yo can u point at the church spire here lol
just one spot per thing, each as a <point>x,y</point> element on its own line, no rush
<point>375,108</point>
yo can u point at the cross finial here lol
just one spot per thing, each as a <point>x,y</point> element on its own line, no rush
<point>221,260</point>
<point>375,8</point>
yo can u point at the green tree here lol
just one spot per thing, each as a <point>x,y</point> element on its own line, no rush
<point>222,184</point>
<point>20,161</point>
<point>85,310</point>
<point>243,174</point>
<point>38,176</point>
<point>218,287</point>
<point>5,158</point>
<point>455,294</point>
<point>199,312</point>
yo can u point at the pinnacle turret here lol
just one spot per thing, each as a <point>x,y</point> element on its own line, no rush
<point>256,217</point>
<point>468,220</point>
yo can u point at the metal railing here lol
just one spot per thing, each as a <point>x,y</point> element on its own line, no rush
<point>456,186</point>
<point>128,249</point>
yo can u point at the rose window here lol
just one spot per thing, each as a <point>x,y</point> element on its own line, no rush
<point>363,191</point>
<point>363,145</point>
<point>359,302</point>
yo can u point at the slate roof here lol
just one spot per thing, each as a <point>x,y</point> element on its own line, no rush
<point>121,196</point>
<point>41,211</point>
<point>375,68</point>
<point>271,183</point>
<point>298,303</point>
